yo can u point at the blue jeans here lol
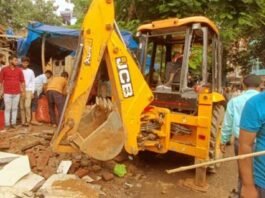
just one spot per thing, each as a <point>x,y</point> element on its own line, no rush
<point>11,107</point>
<point>55,100</point>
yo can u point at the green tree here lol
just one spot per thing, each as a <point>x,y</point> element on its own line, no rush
<point>18,13</point>
<point>235,19</point>
<point>80,10</point>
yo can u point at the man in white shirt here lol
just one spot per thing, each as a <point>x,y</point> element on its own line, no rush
<point>40,82</point>
<point>25,100</point>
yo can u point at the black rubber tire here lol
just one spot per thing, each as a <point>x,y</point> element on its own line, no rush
<point>216,124</point>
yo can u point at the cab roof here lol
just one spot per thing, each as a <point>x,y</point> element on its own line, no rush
<point>175,22</point>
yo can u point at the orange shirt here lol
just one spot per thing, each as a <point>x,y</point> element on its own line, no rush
<point>57,84</point>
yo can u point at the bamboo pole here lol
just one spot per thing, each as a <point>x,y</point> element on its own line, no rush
<point>43,52</point>
<point>238,157</point>
<point>10,36</point>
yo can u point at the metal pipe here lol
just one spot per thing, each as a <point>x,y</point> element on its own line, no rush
<point>119,32</point>
<point>72,80</point>
<point>204,55</point>
<point>185,66</point>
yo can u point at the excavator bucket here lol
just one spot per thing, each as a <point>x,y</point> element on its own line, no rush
<point>100,133</point>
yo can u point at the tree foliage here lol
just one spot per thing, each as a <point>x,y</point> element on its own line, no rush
<point>17,13</point>
<point>235,19</point>
<point>80,9</point>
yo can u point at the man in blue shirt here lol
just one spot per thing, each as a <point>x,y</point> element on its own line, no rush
<point>252,128</point>
<point>234,110</point>
<point>251,84</point>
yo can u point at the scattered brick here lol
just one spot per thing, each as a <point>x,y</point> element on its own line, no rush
<point>85,163</point>
<point>29,151</point>
<point>43,160</point>
<point>81,172</point>
<point>77,157</point>
<point>32,159</point>
<point>39,148</point>
<point>122,157</point>
<point>45,143</point>
<point>30,145</point>
<point>75,166</point>
<point>48,171</point>
<point>53,162</point>
<point>96,168</point>
<point>107,176</point>
<point>109,165</point>
<point>4,144</point>
<point>95,162</point>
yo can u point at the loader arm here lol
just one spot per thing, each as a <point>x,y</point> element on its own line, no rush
<point>130,93</point>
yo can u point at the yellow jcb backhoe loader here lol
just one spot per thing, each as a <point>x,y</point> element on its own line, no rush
<point>147,110</point>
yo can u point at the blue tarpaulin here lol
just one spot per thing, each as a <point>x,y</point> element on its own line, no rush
<point>63,37</point>
<point>128,39</point>
<point>37,30</point>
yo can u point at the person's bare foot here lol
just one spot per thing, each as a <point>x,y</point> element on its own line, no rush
<point>13,127</point>
<point>25,124</point>
<point>33,122</point>
<point>5,129</point>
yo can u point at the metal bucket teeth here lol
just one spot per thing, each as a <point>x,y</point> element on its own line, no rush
<point>104,103</point>
<point>109,104</point>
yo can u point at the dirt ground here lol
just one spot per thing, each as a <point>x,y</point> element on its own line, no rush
<point>155,183</point>
<point>145,178</point>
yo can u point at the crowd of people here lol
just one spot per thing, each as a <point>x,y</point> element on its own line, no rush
<point>232,91</point>
<point>20,91</point>
<point>244,119</point>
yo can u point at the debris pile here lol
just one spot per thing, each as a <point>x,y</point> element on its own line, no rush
<point>39,172</point>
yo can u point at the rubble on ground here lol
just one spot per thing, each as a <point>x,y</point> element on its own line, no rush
<point>40,172</point>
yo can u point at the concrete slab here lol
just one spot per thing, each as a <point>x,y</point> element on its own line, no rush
<point>30,182</point>
<point>64,167</point>
<point>14,171</point>
<point>68,188</point>
<point>56,177</point>
<point>88,179</point>
<point>9,192</point>
<point>7,157</point>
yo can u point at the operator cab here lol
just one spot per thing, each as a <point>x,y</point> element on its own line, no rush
<point>179,58</point>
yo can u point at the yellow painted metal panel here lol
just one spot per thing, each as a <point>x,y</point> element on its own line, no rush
<point>217,97</point>
<point>188,150</point>
<point>130,106</point>
<point>189,119</point>
<point>175,22</point>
